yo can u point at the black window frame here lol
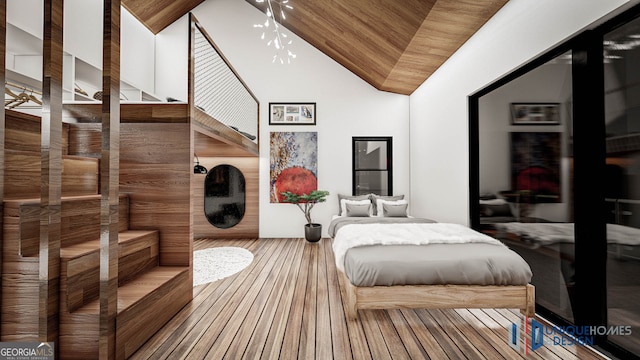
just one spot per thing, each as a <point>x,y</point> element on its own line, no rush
<point>389,169</point>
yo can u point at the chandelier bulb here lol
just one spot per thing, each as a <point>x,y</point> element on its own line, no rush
<point>277,37</point>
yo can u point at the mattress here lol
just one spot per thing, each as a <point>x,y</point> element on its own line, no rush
<point>435,264</point>
<point>424,253</point>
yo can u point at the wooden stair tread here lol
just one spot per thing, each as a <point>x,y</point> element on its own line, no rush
<point>63,198</point>
<point>138,288</point>
<point>37,153</point>
<point>35,201</point>
<point>77,250</point>
<point>80,264</point>
<point>73,251</point>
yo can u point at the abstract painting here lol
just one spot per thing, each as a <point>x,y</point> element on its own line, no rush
<point>293,163</point>
<point>535,165</point>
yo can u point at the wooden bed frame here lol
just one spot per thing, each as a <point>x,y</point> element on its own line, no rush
<point>437,297</point>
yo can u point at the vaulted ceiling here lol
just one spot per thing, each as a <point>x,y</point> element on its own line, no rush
<point>394,45</point>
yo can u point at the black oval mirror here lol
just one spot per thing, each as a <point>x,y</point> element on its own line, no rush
<point>224,196</point>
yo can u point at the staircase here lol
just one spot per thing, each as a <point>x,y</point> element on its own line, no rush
<point>149,293</point>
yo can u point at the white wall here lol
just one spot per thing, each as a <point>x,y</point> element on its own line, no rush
<point>137,53</point>
<point>520,31</point>
<point>83,30</point>
<point>346,106</point>
<point>172,60</point>
<point>83,38</point>
<point>27,15</point>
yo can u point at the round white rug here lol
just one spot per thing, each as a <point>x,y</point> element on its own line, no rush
<point>218,263</point>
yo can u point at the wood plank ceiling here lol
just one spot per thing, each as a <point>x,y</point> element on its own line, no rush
<point>394,45</point>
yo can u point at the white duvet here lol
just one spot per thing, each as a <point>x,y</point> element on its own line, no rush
<point>354,235</point>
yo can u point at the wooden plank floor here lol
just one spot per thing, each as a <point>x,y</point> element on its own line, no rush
<point>287,304</point>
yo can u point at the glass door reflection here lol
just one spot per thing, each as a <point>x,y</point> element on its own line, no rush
<point>525,167</point>
<point>622,123</point>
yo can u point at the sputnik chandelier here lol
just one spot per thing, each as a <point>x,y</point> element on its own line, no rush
<point>272,32</point>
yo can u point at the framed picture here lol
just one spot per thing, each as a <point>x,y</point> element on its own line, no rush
<point>294,163</point>
<point>292,113</point>
<point>535,113</point>
<point>535,166</point>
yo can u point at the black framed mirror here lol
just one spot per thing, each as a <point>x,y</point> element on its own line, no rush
<point>224,196</point>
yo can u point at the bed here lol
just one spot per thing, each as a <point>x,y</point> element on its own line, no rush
<point>387,259</point>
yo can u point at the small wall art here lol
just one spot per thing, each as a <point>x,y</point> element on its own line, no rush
<point>535,113</point>
<point>292,113</point>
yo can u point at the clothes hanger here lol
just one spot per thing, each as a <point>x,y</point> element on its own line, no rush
<point>21,98</point>
<point>34,99</point>
<point>13,96</point>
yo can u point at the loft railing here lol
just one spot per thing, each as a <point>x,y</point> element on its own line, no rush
<point>218,89</point>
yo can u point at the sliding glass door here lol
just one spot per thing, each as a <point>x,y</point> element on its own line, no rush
<point>525,169</point>
<point>555,174</point>
<point>622,187</point>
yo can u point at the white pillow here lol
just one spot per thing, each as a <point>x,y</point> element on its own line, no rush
<point>379,206</point>
<point>344,202</point>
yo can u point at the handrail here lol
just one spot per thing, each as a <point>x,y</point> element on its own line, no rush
<point>218,90</point>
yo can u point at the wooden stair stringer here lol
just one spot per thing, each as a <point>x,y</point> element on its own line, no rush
<point>145,304</point>
<point>80,265</point>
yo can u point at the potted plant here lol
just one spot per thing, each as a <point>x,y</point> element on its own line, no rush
<point>306,202</point>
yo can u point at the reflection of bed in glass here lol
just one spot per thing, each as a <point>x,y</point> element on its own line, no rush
<point>507,208</point>
<point>224,196</point>
<point>549,249</point>
<point>542,234</point>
